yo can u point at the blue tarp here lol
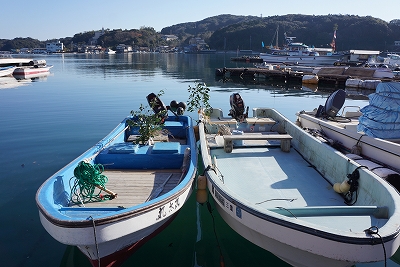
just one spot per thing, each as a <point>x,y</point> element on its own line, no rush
<point>381,118</point>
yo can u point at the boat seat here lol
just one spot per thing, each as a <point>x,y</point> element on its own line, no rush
<point>284,138</point>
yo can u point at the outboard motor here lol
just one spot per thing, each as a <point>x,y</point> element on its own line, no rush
<point>333,104</point>
<point>157,105</point>
<point>237,108</point>
<point>177,108</point>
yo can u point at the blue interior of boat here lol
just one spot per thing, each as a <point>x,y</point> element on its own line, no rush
<point>175,129</point>
<point>163,155</point>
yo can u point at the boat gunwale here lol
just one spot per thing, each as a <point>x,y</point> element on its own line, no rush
<point>187,183</point>
<point>122,214</point>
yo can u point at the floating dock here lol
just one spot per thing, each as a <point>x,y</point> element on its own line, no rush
<point>248,59</point>
<point>332,75</point>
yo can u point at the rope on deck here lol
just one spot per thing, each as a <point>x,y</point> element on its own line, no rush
<point>88,177</point>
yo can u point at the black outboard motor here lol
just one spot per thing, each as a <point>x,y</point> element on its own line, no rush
<point>157,105</point>
<point>237,108</point>
<point>177,108</point>
<point>332,105</point>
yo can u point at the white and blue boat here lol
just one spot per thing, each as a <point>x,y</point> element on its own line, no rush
<point>293,195</point>
<point>138,190</point>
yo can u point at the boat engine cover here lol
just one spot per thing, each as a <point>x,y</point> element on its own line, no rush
<point>334,103</point>
<point>237,107</point>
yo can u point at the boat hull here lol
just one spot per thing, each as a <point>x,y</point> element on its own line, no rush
<point>110,243</point>
<point>31,71</point>
<point>311,231</point>
<point>304,250</point>
<point>299,60</point>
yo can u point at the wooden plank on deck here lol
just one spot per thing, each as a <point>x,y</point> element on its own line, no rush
<point>135,186</point>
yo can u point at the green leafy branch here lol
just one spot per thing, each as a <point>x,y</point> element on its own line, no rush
<point>149,123</point>
<point>199,97</point>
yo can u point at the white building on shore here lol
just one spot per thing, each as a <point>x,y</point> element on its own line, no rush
<point>55,47</point>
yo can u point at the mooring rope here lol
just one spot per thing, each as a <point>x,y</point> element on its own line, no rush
<point>88,177</point>
<point>95,240</point>
<point>221,257</point>
<point>374,230</point>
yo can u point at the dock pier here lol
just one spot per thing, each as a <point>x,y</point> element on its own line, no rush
<point>326,75</point>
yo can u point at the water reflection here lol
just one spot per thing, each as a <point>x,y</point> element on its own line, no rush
<point>9,82</point>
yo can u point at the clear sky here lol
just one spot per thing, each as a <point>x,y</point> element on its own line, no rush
<point>44,19</point>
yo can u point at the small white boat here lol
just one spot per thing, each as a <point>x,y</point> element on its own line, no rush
<point>138,191</point>
<point>7,60</point>
<point>109,51</point>
<point>372,140</point>
<point>391,59</point>
<point>293,195</point>
<point>6,71</point>
<point>295,53</point>
<point>36,67</point>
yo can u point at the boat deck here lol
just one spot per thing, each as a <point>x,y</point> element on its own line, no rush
<point>266,175</point>
<point>134,187</point>
<point>268,179</point>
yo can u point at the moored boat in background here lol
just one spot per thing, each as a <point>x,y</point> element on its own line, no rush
<point>37,67</point>
<point>8,60</point>
<point>368,134</point>
<point>295,53</point>
<point>109,51</point>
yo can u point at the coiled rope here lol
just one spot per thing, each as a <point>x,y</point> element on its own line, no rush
<point>88,177</point>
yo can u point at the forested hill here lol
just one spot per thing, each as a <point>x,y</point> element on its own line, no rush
<point>231,32</point>
<point>353,32</point>
<point>206,27</point>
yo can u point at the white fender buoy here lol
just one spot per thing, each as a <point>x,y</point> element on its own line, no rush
<point>201,182</point>
<point>342,188</point>
<point>201,196</point>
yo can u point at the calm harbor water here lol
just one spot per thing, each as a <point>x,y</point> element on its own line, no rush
<point>47,122</point>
